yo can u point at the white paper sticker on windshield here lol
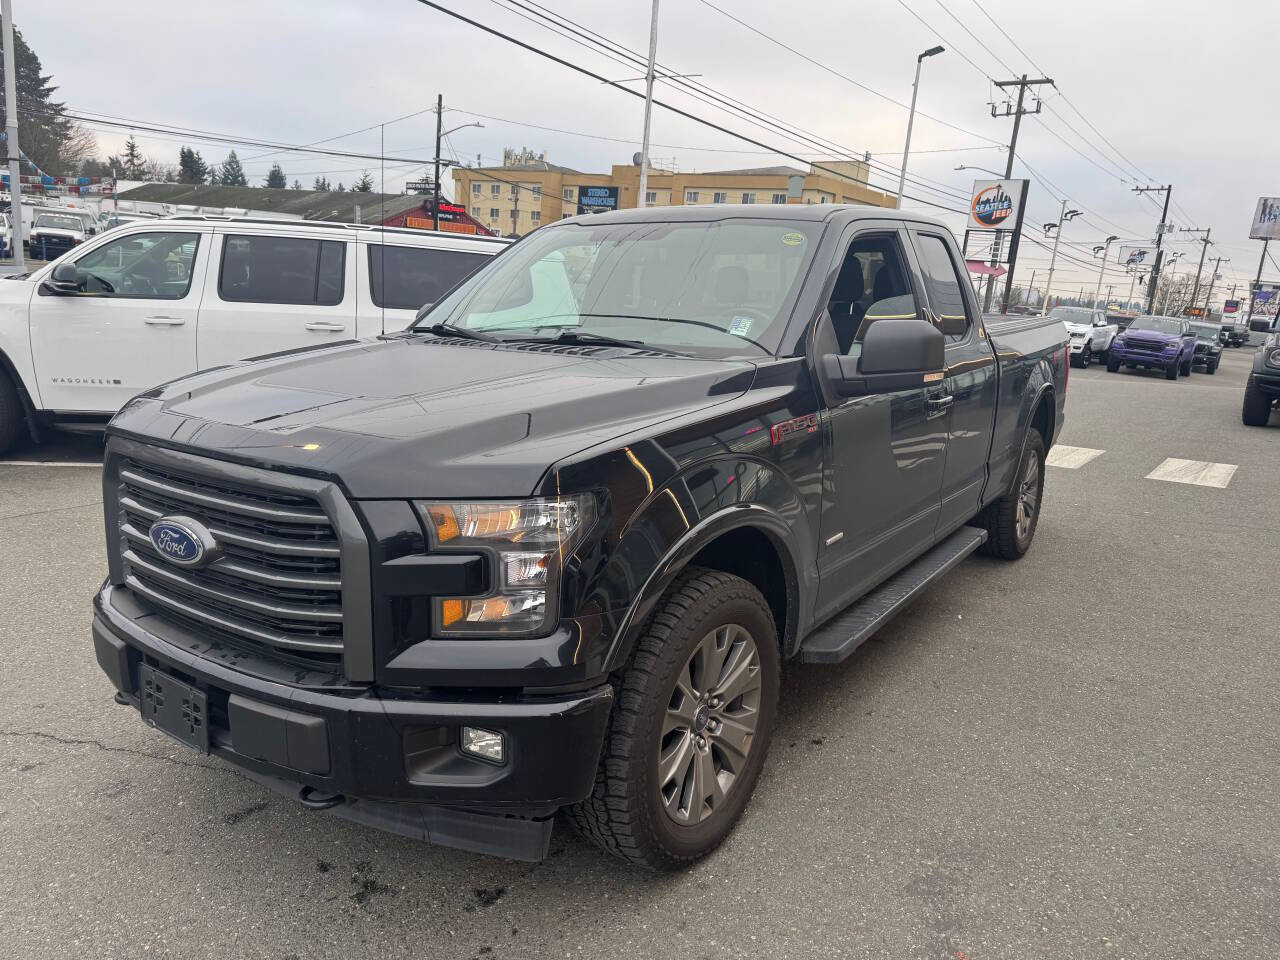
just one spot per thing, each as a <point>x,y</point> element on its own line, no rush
<point>793,239</point>
<point>740,326</point>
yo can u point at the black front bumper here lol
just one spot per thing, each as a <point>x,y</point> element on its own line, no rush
<point>388,758</point>
<point>1267,383</point>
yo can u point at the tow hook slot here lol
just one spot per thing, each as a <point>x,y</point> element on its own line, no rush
<point>314,799</point>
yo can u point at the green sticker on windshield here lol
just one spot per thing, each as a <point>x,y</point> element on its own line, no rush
<point>793,239</point>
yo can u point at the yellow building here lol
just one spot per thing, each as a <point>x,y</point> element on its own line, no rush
<point>527,191</point>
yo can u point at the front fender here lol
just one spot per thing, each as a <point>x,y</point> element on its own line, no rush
<point>675,513</point>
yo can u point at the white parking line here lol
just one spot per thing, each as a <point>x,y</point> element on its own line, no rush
<point>1199,472</point>
<point>45,463</point>
<point>1071,458</point>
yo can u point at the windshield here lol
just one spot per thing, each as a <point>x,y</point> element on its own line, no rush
<point>1073,314</point>
<point>1157,324</point>
<point>713,289</point>
<point>1206,330</point>
<point>60,223</point>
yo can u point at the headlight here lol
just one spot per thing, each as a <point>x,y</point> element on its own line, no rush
<point>526,541</point>
<point>1173,346</point>
<point>1118,342</point>
<point>1273,357</point>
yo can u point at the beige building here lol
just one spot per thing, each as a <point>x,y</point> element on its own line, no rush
<point>527,191</point>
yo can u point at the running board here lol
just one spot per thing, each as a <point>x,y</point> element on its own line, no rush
<point>843,635</point>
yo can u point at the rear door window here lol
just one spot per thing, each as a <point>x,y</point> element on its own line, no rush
<point>262,269</point>
<point>405,278</point>
<point>941,280</point>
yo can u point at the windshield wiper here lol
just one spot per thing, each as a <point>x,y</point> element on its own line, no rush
<point>585,338</point>
<point>452,330</point>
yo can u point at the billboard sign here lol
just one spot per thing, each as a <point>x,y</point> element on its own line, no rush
<point>594,199</point>
<point>994,204</point>
<point>1137,256</point>
<point>1266,220</point>
<point>1231,306</point>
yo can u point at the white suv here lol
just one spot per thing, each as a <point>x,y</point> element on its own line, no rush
<point>1091,333</point>
<point>150,301</point>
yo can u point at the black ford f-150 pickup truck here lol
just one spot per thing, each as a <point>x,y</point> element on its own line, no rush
<point>547,549</point>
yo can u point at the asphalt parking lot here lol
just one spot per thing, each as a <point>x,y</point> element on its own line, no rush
<point>1077,755</point>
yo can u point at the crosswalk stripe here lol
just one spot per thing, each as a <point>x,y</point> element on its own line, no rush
<point>1071,458</point>
<point>1198,472</point>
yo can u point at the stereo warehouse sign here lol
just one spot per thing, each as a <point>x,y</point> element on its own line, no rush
<point>996,204</point>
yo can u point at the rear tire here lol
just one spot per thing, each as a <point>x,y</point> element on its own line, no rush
<point>1011,521</point>
<point>10,414</point>
<point>1257,406</point>
<point>685,744</point>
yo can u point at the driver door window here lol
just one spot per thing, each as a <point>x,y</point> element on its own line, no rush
<point>142,266</point>
<point>872,285</point>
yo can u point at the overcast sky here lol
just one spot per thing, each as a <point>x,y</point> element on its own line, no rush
<point>1186,93</point>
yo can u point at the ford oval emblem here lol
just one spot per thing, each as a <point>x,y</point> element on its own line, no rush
<point>183,541</point>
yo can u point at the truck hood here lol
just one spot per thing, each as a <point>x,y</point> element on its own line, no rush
<point>1075,328</point>
<point>420,416</point>
<point>1153,336</point>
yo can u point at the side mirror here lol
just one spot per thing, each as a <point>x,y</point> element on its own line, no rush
<point>896,355</point>
<point>64,280</point>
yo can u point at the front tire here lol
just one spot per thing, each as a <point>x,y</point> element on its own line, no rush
<point>1011,521</point>
<point>1186,367</point>
<point>1211,368</point>
<point>1086,357</point>
<point>1171,371</point>
<point>1257,406</point>
<point>691,726</point>
<point>1113,363</point>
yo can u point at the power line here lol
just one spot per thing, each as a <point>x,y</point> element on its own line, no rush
<point>845,77</point>
<point>666,106</point>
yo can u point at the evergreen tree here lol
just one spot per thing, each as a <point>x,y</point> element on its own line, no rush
<point>364,184</point>
<point>232,172</point>
<point>133,163</point>
<point>275,177</point>
<point>341,188</point>
<point>191,166</point>
<point>297,185</point>
<point>320,183</point>
<point>45,132</point>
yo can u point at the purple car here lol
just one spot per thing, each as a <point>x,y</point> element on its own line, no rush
<point>1164,343</point>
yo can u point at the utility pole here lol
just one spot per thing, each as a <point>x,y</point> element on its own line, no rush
<point>11,136</point>
<point>1017,113</point>
<point>1217,262</point>
<point>435,216</point>
<point>1160,231</point>
<point>648,107</point>
<point>1031,289</point>
<point>1063,217</point>
<point>1110,287</point>
<point>1195,290</point>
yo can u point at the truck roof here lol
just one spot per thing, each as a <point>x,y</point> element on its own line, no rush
<point>757,211</point>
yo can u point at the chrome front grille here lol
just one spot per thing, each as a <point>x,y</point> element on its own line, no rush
<point>277,580</point>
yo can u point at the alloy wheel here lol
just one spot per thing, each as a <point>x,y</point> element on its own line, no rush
<point>1028,496</point>
<point>710,724</point>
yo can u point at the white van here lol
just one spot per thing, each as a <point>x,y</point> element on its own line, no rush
<point>149,301</point>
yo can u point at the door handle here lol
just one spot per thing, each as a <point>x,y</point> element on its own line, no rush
<point>938,405</point>
<point>164,321</point>
<point>326,326</point>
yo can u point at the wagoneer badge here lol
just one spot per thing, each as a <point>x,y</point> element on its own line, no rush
<point>183,541</point>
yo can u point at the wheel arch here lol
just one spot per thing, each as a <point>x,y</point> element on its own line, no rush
<point>747,540</point>
<point>10,370</point>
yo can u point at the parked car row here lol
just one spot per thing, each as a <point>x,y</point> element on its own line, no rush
<point>155,299</point>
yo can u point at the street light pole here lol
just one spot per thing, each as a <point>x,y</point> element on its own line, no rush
<point>1063,217</point>
<point>911,117</point>
<point>1102,270</point>
<point>648,106</point>
<point>11,135</point>
<point>435,216</point>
